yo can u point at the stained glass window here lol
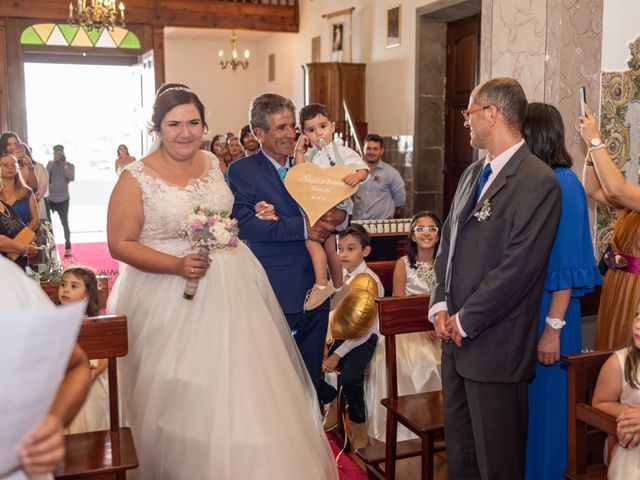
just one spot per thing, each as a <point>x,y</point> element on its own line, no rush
<point>70,35</point>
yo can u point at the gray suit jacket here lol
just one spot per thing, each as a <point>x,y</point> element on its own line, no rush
<point>492,272</point>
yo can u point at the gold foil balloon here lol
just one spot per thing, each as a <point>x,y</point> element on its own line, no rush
<point>357,312</point>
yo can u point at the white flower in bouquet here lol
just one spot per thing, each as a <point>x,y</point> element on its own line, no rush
<point>207,229</point>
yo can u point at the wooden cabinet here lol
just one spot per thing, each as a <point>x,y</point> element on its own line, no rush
<point>330,83</point>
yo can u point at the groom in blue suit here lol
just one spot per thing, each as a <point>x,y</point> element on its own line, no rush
<point>279,244</point>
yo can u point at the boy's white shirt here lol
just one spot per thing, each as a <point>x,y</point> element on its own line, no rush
<point>349,345</point>
<point>323,157</point>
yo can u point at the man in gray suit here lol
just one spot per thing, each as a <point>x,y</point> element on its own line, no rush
<point>489,275</point>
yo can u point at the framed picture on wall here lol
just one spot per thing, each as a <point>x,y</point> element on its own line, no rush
<point>393,27</point>
<point>337,40</point>
<point>337,37</point>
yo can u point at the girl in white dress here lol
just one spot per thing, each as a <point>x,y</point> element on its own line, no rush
<point>214,387</point>
<point>618,393</point>
<point>418,354</point>
<point>76,284</point>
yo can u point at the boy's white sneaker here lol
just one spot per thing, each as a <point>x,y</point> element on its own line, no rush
<point>317,296</point>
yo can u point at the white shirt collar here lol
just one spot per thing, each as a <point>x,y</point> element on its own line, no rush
<point>359,269</point>
<point>498,164</point>
<point>276,165</point>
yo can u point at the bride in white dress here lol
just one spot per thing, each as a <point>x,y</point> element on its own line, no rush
<point>213,388</point>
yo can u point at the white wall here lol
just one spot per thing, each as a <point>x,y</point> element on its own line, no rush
<point>192,59</point>
<point>390,78</point>
<point>620,27</point>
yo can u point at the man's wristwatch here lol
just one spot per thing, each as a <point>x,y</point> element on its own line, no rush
<point>555,323</point>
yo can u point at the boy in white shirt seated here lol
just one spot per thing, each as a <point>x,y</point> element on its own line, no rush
<point>351,357</point>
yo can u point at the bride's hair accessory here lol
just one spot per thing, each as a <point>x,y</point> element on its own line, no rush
<point>183,89</point>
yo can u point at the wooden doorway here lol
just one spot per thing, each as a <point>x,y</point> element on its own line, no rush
<point>463,41</point>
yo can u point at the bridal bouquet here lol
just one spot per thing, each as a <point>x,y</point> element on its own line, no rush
<point>207,230</point>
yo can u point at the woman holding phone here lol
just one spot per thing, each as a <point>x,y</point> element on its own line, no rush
<point>10,143</point>
<point>604,183</point>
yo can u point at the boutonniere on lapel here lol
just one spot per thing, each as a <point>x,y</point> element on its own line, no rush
<point>484,213</point>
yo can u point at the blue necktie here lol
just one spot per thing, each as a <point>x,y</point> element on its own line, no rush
<point>484,176</point>
<point>282,171</point>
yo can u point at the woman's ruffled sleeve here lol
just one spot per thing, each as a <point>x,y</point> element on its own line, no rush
<point>571,262</point>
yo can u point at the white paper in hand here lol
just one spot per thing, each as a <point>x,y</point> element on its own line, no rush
<point>35,347</point>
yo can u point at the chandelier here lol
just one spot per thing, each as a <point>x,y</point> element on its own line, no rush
<point>96,14</point>
<point>234,62</point>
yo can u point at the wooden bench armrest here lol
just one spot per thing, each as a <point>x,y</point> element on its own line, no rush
<point>596,418</point>
<point>584,357</point>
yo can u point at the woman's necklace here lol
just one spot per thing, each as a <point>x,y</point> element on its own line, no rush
<point>4,210</point>
<point>10,198</point>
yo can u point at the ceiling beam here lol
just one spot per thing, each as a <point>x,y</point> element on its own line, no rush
<point>175,13</point>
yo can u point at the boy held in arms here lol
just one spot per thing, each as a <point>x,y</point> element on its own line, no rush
<point>316,145</point>
<point>351,356</point>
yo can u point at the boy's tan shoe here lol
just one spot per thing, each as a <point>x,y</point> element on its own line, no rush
<point>331,418</point>
<point>317,296</point>
<point>341,293</point>
<point>358,436</point>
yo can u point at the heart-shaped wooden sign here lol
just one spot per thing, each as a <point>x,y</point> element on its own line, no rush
<point>317,190</point>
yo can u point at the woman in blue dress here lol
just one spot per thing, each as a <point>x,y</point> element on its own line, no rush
<point>571,273</point>
<point>16,193</point>
<point>18,196</point>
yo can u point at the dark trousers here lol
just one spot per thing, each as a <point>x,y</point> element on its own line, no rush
<point>62,208</point>
<point>309,330</point>
<point>47,208</point>
<point>351,378</point>
<point>485,425</point>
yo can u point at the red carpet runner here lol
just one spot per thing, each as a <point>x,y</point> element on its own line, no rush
<point>347,468</point>
<point>94,255</point>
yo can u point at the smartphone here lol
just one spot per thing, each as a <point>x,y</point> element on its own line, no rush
<point>583,101</point>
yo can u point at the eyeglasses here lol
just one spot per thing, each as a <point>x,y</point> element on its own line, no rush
<point>466,114</point>
<point>422,229</point>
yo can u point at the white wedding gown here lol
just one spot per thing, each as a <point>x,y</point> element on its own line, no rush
<point>213,388</point>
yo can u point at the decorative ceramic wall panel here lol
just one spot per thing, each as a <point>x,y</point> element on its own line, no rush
<point>620,126</point>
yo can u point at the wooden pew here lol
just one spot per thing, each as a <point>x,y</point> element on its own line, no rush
<point>587,426</point>
<point>384,270</point>
<point>107,452</point>
<point>422,413</point>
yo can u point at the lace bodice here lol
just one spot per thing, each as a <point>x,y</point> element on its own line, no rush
<point>165,204</point>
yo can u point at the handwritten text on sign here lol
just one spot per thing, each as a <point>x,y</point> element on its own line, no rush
<point>317,190</point>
